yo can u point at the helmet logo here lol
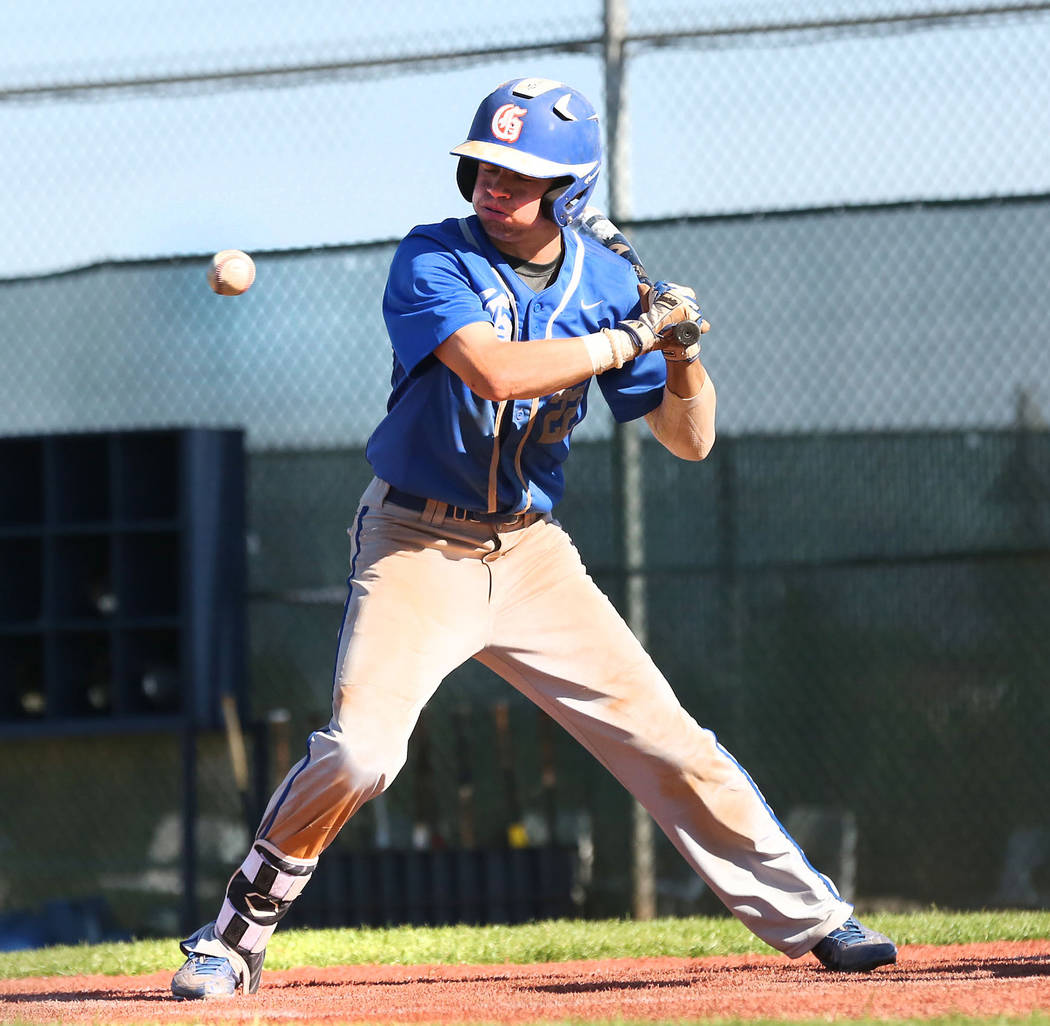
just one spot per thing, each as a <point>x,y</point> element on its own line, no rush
<point>506,122</point>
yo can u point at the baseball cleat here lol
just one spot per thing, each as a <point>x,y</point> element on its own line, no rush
<point>853,948</point>
<point>205,976</point>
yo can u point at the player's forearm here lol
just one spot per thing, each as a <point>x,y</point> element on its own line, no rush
<point>516,370</point>
<point>685,425</point>
<point>685,379</point>
<point>540,367</point>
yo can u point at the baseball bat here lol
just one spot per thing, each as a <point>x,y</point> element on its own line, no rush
<point>238,758</point>
<point>517,835</point>
<point>424,832</point>
<point>548,774</point>
<point>594,223</point>
<point>464,778</point>
<point>278,720</point>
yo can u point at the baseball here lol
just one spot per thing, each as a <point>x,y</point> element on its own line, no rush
<point>231,272</point>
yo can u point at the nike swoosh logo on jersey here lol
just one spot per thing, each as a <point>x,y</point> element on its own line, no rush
<point>590,306</point>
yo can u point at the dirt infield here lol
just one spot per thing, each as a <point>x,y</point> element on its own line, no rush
<point>972,979</point>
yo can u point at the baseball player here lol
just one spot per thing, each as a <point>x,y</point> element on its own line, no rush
<point>503,325</point>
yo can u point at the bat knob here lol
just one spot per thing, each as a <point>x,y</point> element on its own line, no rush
<point>686,333</point>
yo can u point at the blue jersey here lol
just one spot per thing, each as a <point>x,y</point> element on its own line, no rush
<point>442,441</point>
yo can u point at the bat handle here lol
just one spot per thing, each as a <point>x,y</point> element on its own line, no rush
<point>686,333</point>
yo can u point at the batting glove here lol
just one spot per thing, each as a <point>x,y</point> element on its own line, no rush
<point>673,350</point>
<point>664,305</point>
<point>651,293</point>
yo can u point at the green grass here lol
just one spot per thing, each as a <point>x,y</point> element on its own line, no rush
<point>540,942</point>
<point>557,941</point>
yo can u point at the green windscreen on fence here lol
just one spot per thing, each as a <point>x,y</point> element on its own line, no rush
<point>852,590</point>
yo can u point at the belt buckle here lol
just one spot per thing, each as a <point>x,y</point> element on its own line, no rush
<point>460,514</point>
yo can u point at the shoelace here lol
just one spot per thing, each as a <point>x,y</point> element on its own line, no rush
<point>210,965</point>
<point>849,932</point>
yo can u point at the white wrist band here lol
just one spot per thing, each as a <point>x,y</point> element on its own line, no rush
<point>600,350</point>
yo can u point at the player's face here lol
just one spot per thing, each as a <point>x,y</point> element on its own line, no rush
<point>510,208</point>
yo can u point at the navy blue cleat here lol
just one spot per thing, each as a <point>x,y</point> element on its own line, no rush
<point>853,948</point>
<point>205,976</point>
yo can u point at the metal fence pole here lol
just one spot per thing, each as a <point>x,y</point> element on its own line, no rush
<point>188,913</point>
<point>627,443</point>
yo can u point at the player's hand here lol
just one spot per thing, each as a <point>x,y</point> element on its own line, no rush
<point>648,294</point>
<point>664,305</point>
<point>675,352</point>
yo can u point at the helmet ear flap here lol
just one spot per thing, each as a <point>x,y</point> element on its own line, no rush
<point>553,194</point>
<point>466,176</point>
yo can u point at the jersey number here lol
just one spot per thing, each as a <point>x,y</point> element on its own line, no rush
<point>559,415</point>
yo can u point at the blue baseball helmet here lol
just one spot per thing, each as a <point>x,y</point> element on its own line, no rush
<point>540,128</point>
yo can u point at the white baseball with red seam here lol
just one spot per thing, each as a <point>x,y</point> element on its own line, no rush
<point>231,272</point>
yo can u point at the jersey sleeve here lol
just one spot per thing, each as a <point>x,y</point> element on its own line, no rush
<point>427,298</point>
<point>637,388</point>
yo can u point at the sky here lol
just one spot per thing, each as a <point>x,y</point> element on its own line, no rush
<point>723,125</point>
<point>794,121</point>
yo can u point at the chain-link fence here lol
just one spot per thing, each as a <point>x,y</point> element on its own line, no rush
<point>851,590</point>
